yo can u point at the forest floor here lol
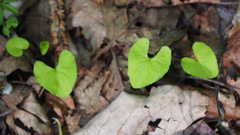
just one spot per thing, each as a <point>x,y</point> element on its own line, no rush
<point>99,33</point>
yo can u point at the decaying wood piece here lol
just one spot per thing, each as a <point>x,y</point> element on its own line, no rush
<point>58,23</point>
<point>58,28</point>
<point>60,35</point>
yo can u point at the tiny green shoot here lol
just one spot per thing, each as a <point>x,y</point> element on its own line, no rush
<point>59,126</point>
<point>206,64</point>
<point>44,45</point>
<point>60,80</point>
<point>142,70</point>
<point>16,45</point>
<point>5,30</point>
<point>12,22</point>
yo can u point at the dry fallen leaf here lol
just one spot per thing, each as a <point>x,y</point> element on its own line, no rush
<point>57,103</point>
<point>31,121</point>
<point>17,95</point>
<point>68,101</point>
<point>88,92</point>
<point>130,114</point>
<point>10,64</point>
<point>161,3</point>
<point>34,83</point>
<point>31,105</point>
<point>113,85</point>
<point>230,56</point>
<point>88,15</point>
<point>73,122</point>
<point>3,110</point>
<point>14,128</point>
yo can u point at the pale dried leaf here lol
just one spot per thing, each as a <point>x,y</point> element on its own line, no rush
<point>3,110</point>
<point>17,95</point>
<point>90,99</point>
<point>89,16</point>
<point>232,50</point>
<point>73,122</point>
<point>229,105</point>
<point>31,105</point>
<point>13,127</point>
<point>10,123</point>
<point>10,64</point>
<point>235,22</point>
<point>69,102</point>
<point>130,114</point>
<point>113,85</point>
<point>57,103</point>
<point>34,83</point>
<point>33,122</point>
<point>21,131</point>
<point>88,92</point>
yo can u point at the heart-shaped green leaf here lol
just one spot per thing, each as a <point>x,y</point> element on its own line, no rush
<point>44,45</point>
<point>12,22</point>
<point>16,45</point>
<point>143,70</point>
<point>206,64</point>
<point>58,81</point>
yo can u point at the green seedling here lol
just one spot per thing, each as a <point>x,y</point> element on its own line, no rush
<point>205,65</point>
<point>12,21</point>
<point>60,80</point>
<point>143,70</point>
<point>16,45</point>
<point>44,45</point>
<point>59,126</point>
<point>6,31</point>
<point>4,5</point>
